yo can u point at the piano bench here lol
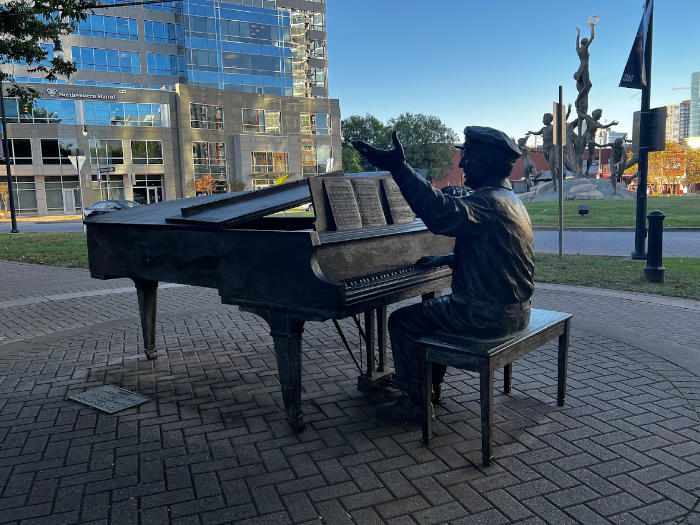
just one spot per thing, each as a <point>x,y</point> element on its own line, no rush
<point>485,356</point>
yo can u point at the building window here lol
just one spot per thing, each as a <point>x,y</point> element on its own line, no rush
<point>269,162</point>
<point>204,116</point>
<point>111,186</point>
<point>161,64</point>
<point>209,160</point>
<point>253,64</point>
<point>317,77</point>
<point>163,32</point>
<point>105,152</point>
<point>148,189</point>
<point>308,158</point>
<point>146,152</point>
<point>20,151</point>
<point>100,26</point>
<point>24,193</point>
<point>56,189</point>
<point>324,159</point>
<point>56,151</point>
<point>317,22</point>
<point>108,60</point>
<point>122,114</point>
<point>261,121</point>
<point>314,123</point>
<point>317,49</point>
<point>41,111</point>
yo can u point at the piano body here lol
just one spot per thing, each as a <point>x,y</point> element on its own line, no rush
<point>283,268</point>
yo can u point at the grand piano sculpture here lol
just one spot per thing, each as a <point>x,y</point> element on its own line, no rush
<point>354,257</point>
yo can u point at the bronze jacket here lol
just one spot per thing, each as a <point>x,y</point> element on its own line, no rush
<point>494,257</point>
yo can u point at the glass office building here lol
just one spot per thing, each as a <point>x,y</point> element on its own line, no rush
<point>695,105</point>
<point>178,99</point>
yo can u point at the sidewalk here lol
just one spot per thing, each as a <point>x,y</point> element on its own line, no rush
<point>41,218</point>
<point>212,446</point>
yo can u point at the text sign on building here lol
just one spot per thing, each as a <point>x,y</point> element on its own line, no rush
<point>53,92</point>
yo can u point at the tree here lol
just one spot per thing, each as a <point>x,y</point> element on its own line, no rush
<point>368,129</point>
<point>26,25</point>
<point>428,142</point>
<point>352,160</point>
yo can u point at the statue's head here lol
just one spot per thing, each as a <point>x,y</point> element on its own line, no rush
<point>619,142</point>
<point>597,114</point>
<point>488,156</point>
<point>547,119</point>
<point>584,42</point>
<point>522,143</point>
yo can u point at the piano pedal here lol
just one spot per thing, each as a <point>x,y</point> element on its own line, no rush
<point>377,381</point>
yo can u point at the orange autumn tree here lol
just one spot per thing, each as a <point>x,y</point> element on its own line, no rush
<point>693,166</point>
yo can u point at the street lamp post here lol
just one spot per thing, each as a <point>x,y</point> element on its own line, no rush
<point>8,161</point>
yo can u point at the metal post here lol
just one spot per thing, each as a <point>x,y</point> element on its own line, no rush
<point>560,160</point>
<point>654,270</point>
<point>640,232</point>
<point>8,161</point>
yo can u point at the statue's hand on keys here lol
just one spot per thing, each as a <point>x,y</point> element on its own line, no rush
<point>387,160</point>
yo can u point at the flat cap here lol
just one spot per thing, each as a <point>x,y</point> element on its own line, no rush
<point>491,138</point>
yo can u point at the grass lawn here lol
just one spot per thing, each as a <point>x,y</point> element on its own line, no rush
<point>679,211</point>
<point>56,249</point>
<point>619,273</point>
<point>682,274</point>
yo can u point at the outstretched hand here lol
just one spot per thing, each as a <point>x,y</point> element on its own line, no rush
<point>386,160</point>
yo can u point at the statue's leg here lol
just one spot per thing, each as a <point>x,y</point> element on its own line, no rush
<point>147,293</point>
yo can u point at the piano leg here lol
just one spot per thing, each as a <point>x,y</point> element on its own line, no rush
<point>147,292</point>
<point>286,332</point>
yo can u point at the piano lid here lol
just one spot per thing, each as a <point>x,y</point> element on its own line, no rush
<point>244,207</point>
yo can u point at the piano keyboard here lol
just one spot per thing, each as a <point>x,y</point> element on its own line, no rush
<point>366,281</point>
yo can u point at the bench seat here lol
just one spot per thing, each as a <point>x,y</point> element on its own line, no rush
<point>487,355</point>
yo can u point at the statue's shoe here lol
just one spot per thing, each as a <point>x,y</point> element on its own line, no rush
<point>403,410</point>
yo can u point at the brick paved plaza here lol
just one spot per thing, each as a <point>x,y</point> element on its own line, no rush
<point>212,444</point>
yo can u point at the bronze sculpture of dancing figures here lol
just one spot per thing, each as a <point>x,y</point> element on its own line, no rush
<point>548,149</point>
<point>618,161</point>
<point>582,75</point>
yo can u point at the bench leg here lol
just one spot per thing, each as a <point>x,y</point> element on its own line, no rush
<point>562,361</point>
<point>507,377</point>
<point>427,402</point>
<point>486,394</point>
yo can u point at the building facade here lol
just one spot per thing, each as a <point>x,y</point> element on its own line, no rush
<point>695,105</point>
<point>684,120</point>
<point>179,99</point>
<point>673,130</point>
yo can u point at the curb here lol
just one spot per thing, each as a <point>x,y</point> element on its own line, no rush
<point>611,229</point>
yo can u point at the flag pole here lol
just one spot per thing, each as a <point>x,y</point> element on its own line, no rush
<point>640,230</point>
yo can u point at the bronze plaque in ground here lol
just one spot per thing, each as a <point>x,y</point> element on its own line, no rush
<point>109,398</point>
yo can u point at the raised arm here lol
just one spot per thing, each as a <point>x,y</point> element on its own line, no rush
<point>613,123</point>
<point>442,214</point>
<point>540,132</point>
<point>590,41</point>
<point>578,38</point>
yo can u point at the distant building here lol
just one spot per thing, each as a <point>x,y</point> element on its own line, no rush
<point>614,135</point>
<point>175,100</point>
<point>673,113</point>
<point>695,105</point>
<point>684,120</point>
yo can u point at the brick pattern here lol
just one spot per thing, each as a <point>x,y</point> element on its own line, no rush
<point>212,446</point>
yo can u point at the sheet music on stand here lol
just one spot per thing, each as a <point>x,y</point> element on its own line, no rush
<point>369,201</point>
<point>343,203</point>
<point>401,212</point>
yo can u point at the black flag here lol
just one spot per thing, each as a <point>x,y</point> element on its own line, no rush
<point>635,75</point>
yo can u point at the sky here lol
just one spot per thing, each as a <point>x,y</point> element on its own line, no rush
<point>499,63</point>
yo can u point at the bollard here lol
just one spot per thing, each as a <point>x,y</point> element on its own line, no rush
<point>654,270</point>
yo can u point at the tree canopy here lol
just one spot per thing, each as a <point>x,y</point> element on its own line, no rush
<point>26,25</point>
<point>426,139</point>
